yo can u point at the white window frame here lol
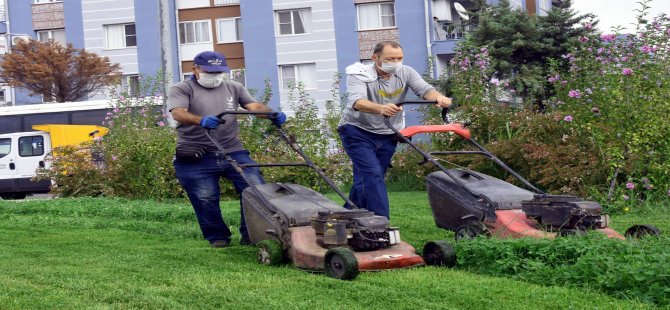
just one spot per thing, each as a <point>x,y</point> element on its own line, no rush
<point>186,76</point>
<point>282,67</point>
<point>125,37</point>
<point>236,22</point>
<point>226,2</point>
<point>209,31</point>
<point>126,85</point>
<point>306,25</point>
<point>379,16</point>
<point>50,35</point>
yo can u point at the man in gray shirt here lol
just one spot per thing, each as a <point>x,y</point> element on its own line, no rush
<point>373,92</point>
<point>195,103</point>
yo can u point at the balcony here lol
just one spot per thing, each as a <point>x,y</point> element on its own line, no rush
<point>448,25</point>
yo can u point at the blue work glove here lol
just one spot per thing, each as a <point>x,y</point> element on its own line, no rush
<point>279,119</point>
<point>210,122</point>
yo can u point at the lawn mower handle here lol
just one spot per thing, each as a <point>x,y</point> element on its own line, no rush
<point>271,115</point>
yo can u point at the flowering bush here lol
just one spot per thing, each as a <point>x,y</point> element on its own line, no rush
<point>616,94</point>
<point>133,160</point>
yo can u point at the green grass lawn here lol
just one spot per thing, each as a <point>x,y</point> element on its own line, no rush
<point>112,253</point>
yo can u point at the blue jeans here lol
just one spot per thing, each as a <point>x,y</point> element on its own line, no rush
<point>200,180</point>
<point>371,156</point>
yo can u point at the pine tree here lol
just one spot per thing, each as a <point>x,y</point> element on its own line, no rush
<point>521,44</point>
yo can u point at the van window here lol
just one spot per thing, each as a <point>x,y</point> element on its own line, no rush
<point>31,146</point>
<point>5,147</point>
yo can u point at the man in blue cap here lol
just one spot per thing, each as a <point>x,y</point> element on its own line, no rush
<point>199,165</point>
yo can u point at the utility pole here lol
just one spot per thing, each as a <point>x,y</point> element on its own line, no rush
<point>164,14</point>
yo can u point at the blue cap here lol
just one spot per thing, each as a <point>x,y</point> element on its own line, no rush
<point>211,62</point>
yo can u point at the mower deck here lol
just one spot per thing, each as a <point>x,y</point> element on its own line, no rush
<point>515,224</point>
<point>307,254</point>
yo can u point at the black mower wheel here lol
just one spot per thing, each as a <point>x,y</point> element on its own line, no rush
<point>341,263</point>
<point>571,233</point>
<point>439,253</point>
<point>470,230</point>
<point>641,231</point>
<point>270,252</point>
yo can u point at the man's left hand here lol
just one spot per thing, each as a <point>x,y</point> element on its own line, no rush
<point>443,101</point>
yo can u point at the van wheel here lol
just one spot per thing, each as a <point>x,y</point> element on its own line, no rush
<point>12,196</point>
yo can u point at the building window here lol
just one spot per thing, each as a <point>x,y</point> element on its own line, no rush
<point>238,75</point>
<point>294,21</point>
<point>226,2</point>
<point>130,85</point>
<point>186,76</point>
<point>57,35</point>
<point>302,73</point>
<point>194,32</point>
<point>515,4</point>
<point>120,36</point>
<point>544,7</point>
<point>229,30</point>
<point>31,146</point>
<point>376,16</point>
<point>2,96</point>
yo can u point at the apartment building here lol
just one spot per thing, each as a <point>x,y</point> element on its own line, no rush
<point>206,25</point>
<point>139,35</point>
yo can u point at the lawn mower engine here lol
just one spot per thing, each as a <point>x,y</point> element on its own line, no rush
<point>565,212</point>
<point>359,230</point>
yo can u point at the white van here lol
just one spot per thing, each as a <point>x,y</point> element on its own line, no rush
<point>22,153</point>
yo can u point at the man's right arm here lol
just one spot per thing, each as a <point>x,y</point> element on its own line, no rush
<point>357,93</point>
<point>183,116</point>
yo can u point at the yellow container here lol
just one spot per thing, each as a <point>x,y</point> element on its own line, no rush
<point>71,134</point>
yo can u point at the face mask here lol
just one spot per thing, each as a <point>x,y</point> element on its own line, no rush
<point>391,67</point>
<point>210,80</point>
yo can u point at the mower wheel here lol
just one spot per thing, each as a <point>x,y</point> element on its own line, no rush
<point>641,231</point>
<point>470,230</point>
<point>571,232</point>
<point>439,253</point>
<point>13,196</point>
<point>341,263</point>
<point>270,252</point>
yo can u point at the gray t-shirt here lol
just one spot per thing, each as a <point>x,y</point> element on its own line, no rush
<point>383,92</point>
<point>203,101</point>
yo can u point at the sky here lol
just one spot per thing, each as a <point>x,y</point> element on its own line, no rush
<point>618,12</point>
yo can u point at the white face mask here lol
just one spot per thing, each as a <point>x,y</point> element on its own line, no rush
<point>210,80</point>
<point>391,67</point>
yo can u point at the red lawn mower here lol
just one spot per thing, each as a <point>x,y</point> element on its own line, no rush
<point>471,203</point>
<point>290,221</point>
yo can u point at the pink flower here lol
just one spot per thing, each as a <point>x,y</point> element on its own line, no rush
<point>669,189</point>
<point>161,124</point>
<point>568,118</point>
<point>645,49</point>
<point>583,39</point>
<point>123,126</point>
<point>627,71</point>
<point>495,81</point>
<point>607,37</point>
<point>575,93</point>
<point>122,97</point>
<point>114,157</point>
<point>588,25</point>
<point>625,197</point>
<point>97,138</point>
<point>116,110</point>
<point>564,82</point>
<point>630,185</point>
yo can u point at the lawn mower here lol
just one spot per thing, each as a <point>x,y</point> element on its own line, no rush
<point>290,221</point>
<point>471,203</point>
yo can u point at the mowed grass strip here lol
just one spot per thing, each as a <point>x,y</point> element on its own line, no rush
<point>115,253</point>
